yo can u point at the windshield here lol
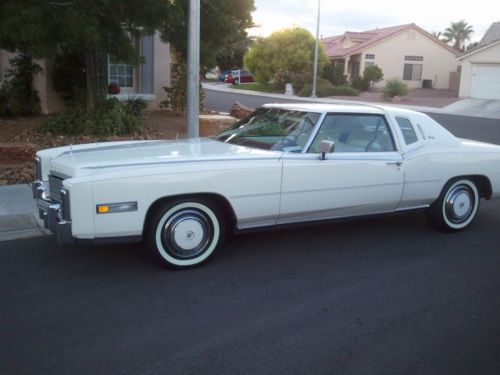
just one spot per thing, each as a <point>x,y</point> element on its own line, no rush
<point>272,129</point>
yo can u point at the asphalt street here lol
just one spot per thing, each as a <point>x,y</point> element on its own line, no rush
<point>378,296</point>
<point>384,296</point>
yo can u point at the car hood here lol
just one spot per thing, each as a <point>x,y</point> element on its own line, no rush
<point>92,159</point>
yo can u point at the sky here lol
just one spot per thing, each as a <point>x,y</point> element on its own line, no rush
<point>340,16</point>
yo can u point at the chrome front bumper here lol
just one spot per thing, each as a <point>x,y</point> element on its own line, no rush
<point>56,216</point>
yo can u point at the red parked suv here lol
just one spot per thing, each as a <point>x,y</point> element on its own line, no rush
<point>239,76</point>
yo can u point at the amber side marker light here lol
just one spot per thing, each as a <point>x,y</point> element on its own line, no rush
<point>116,207</point>
<point>102,209</point>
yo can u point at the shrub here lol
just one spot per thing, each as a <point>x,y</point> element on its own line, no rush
<point>360,83</point>
<point>325,88</point>
<point>175,99</point>
<point>136,106</point>
<point>373,74</point>
<point>345,91</point>
<point>111,118</point>
<point>5,101</point>
<point>334,74</point>
<point>299,81</point>
<point>394,87</point>
<point>18,96</point>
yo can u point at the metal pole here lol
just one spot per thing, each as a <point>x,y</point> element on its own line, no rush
<point>316,50</point>
<point>193,70</point>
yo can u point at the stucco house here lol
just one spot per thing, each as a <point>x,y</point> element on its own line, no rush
<point>406,52</point>
<point>145,81</point>
<point>480,76</point>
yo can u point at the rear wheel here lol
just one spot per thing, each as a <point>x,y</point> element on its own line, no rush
<point>236,81</point>
<point>456,207</point>
<point>185,233</point>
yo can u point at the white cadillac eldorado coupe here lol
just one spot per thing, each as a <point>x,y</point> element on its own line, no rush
<point>284,164</point>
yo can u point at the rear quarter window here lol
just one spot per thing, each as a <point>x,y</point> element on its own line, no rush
<point>407,130</point>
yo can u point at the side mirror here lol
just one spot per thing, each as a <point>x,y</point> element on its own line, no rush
<point>326,147</point>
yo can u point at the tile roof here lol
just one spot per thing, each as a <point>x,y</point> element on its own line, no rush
<point>492,35</point>
<point>334,48</point>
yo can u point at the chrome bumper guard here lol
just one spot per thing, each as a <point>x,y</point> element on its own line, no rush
<point>56,216</point>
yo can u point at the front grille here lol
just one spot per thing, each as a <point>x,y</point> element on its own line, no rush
<point>55,186</point>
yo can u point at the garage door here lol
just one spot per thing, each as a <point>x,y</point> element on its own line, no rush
<point>486,81</point>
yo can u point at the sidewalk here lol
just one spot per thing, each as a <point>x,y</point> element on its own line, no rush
<point>19,214</point>
<point>466,107</point>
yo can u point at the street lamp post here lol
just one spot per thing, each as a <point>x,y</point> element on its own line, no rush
<point>193,70</point>
<point>316,50</point>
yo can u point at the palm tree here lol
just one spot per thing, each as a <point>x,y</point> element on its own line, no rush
<point>458,33</point>
<point>437,34</point>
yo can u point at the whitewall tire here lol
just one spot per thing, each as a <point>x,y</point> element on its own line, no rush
<point>185,233</point>
<point>456,207</point>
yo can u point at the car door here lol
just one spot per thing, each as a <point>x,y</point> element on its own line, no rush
<point>364,174</point>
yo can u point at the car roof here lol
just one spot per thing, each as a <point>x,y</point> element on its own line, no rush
<point>342,108</point>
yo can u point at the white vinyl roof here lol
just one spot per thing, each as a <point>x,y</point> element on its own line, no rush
<point>341,108</point>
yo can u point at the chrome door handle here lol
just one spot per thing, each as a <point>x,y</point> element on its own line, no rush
<point>397,163</point>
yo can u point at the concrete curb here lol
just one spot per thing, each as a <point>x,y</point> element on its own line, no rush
<point>452,109</point>
<point>19,214</point>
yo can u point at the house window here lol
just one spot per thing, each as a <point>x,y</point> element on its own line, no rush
<point>369,56</point>
<point>414,58</point>
<point>369,63</point>
<point>412,72</point>
<point>120,73</point>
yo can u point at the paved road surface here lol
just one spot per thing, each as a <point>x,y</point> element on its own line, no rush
<point>385,296</point>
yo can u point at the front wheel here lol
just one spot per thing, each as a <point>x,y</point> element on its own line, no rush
<point>456,207</point>
<point>185,233</point>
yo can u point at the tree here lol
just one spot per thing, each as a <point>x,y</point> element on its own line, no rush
<point>471,46</point>
<point>284,56</point>
<point>92,28</point>
<point>457,34</point>
<point>373,74</point>
<point>223,27</point>
<point>231,55</point>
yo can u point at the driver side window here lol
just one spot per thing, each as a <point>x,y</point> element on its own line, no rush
<point>355,133</point>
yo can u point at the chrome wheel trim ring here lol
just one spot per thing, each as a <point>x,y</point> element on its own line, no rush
<point>459,204</point>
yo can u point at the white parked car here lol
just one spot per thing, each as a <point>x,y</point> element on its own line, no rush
<point>284,164</point>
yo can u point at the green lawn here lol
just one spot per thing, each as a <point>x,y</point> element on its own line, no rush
<point>255,86</point>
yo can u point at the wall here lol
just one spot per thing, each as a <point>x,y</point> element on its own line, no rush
<point>487,56</point>
<point>389,56</point>
<point>42,82</point>
<point>162,61</point>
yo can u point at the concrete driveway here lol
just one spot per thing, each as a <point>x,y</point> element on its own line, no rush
<point>476,108</point>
